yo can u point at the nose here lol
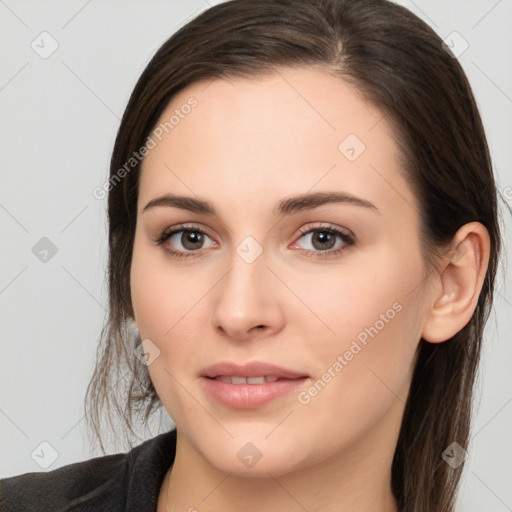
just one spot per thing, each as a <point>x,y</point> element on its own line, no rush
<point>247,301</point>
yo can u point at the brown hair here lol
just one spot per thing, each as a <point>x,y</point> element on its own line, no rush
<point>399,63</point>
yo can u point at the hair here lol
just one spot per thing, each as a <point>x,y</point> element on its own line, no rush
<point>399,64</point>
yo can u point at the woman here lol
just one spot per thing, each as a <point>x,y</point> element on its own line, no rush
<point>303,232</point>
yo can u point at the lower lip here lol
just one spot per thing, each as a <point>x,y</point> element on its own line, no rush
<point>249,396</point>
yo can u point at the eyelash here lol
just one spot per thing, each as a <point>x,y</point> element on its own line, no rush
<point>347,239</point>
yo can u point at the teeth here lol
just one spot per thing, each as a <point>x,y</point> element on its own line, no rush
<point>244,380</point>
<point>255,380</point>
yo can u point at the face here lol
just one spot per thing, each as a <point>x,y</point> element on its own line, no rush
<point>334,292</point>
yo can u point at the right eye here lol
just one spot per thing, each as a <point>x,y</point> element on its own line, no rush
<point>191,239</point>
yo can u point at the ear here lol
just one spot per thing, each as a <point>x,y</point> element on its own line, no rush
<point>461,277</point>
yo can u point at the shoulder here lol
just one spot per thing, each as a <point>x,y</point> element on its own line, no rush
<point>98,484</point>
<point>60,488</point>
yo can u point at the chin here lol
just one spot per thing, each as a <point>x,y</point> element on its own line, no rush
<point>257,459</point>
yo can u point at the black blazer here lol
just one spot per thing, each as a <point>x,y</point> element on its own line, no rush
<point>128,482</point>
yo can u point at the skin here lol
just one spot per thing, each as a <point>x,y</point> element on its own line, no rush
<point>248,144</point>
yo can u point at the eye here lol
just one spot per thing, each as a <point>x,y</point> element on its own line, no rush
<point>326,240</point>
<point>191,238</point>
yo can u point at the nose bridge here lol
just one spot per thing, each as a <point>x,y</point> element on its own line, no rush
<point>246,298</point>
<point>247,278</point>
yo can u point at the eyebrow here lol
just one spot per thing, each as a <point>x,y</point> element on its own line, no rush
<point>287,206</point>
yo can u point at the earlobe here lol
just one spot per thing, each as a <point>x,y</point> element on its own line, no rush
<point>461,278</point>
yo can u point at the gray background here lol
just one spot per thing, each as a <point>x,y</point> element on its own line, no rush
<point>60,115</point>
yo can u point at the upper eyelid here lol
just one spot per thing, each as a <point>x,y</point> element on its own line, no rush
<point>328,227</point>
<point>186,227</point>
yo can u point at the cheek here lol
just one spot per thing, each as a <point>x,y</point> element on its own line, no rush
<point>367,299</point>
<point>166,309</point>
<point>162,316</point>
<point>364,378</point>
<point>158,296</point>
<point>364,368</point>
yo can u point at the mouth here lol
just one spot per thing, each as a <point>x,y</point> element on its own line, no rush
<point>250,371</point>
<point>247,380</point>
<point>251,385</point>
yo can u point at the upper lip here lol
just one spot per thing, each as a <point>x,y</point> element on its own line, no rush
<point>252,369</point>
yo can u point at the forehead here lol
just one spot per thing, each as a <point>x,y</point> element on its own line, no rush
<point>267,137</point>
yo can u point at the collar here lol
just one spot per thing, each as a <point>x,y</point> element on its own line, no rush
<point>148,465</point>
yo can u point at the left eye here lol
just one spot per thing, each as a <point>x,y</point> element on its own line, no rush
<point>325,239</point>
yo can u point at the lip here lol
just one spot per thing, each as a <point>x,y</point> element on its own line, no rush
<point>252,369</point>
<point>250,396</point>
